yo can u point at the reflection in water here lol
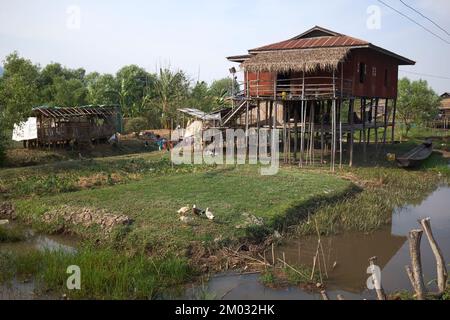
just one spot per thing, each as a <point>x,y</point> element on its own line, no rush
<point>24,290</point>
<point>350,253</point>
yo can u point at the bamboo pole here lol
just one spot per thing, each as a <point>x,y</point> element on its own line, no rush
<point>442,275</point>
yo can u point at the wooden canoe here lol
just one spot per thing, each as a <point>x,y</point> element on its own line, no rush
<point>414,157</point>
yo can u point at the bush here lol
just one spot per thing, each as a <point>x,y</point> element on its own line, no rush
<point>136,125</point>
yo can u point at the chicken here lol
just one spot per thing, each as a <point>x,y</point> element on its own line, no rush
<point>209,214</point>
<point>184,210</point>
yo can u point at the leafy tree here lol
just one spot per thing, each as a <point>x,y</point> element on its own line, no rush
<point>200,97</point>
<point>60,86</point>
<point>102,89</point>
<point>171,92</point>
<point>417,102</point>
<point>18,90</point>
<point>134,89</point>
<point>69,93</point>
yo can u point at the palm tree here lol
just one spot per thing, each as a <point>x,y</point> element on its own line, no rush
<point>171,89</point>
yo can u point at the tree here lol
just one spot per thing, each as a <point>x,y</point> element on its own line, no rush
<point>135,88</point>
<point>18,90</point>
<point>171,91</point>
<point>63,87</point>
<point>101,89</point>
<point>69,93</point>
<point>200,97</point>
<point>417,102</point>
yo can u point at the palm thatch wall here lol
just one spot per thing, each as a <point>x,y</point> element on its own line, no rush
<point>307,60</point>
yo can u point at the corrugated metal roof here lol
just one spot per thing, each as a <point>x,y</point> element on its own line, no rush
<point>319,42</point>
<point>200,114</point>
<point>72,112</point>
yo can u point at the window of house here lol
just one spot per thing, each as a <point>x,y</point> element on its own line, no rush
<point>362,72</point>
<point>374,71</point>
<point>386,78</point>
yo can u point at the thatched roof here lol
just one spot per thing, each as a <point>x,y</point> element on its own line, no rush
<point>307,60</point>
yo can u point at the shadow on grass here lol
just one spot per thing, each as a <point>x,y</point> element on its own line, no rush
<point>299,213</point>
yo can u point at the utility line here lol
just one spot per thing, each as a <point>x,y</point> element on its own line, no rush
<point>425,75</point>
<point>424,16</point>
<point>415,22</point>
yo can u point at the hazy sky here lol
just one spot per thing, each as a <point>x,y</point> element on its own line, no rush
<point>197,35</point>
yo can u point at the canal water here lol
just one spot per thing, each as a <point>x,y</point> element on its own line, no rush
<point>25,290</point>
<point>347,256</point>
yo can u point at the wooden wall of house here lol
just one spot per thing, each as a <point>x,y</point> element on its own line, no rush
<point>380,80</point>
<point>381,74</point>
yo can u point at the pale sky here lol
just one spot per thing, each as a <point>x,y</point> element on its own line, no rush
<point>197,35</point>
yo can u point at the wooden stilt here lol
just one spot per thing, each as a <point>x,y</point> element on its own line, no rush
<point>385,121</point>
<point>296,113</point>
<point>363,109</point>
<point>376,122</point>
<point>393,121</point>
<point>322,138</point>
<point>352,131</point>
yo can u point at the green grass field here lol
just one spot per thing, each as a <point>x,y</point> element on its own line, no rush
<point>153,202</point>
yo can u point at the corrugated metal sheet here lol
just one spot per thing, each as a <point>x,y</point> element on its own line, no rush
<point>75,111</point>
<point>319,42</point>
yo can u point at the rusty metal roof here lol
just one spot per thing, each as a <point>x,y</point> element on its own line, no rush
<point>318,37</point>
<point>316,42</point>
<point>93,111</point>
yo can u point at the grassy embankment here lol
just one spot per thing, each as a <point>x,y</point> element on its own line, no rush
<point>151,200</point>
<point>151,191</point>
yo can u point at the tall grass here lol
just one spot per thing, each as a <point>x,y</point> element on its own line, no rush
<point>105,273</point>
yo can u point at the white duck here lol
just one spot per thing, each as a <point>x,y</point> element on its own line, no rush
<point>209,214</point>
<point>184,210</point>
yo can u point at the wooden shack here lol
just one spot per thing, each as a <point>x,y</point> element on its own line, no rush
<point>77,125</point>
<point>319,87</point>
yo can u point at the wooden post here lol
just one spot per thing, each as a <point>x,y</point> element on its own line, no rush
<point>333,125</point>
<point>363,109</point>
<point>296,132</point>
<point>377,282</point>
<point>258,125</point>
<point>442,275</point>
<point>376,122</point>
<point>311,123</point>
<point>385,121</point>
<point>325,296</point>
<point>393,121</point>
<point>415,237</point>
<point>352,131</point>
<point>303,116</point>
<point>322,138</point>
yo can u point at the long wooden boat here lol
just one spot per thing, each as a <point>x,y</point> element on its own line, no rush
<point>414,157</point>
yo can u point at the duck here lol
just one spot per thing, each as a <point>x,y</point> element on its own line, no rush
<point>209,214</point>
<point>184,210</point>
<point>197,211</point>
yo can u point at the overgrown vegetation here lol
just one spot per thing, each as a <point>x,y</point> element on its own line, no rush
<point>106,274</point>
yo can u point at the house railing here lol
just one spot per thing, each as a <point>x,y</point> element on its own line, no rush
<point>297,88</point>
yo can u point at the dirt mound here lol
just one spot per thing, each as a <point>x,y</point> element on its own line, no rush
<point>86,217</point>
<point>7,211</point>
